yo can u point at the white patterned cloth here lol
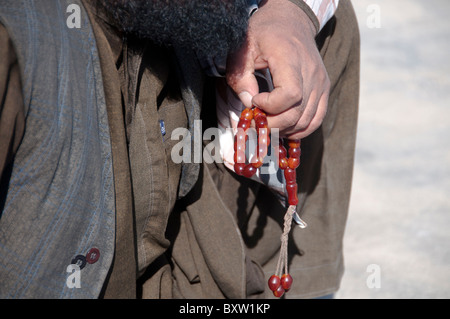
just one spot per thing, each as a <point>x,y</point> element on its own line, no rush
<point>323,9</point>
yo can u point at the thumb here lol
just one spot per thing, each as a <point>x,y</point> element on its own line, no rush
<point>241,75</point>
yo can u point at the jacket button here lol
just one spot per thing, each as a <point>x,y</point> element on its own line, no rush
<point>93,255</point>
<point>80,261</point>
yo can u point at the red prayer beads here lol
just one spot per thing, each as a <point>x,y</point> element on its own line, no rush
<point>260,119</point>
<point>286,282</point>
<point>280,286</point>
<point>274,282</point>
<point>248,170</point>
<point>287,164</point>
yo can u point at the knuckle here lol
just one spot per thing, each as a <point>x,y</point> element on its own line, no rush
<point>292,117</point>
<point>291,122</point>
<point>302,124</point>
<point>232,79</point>
<point>294,94</point>
<point>305,121</point>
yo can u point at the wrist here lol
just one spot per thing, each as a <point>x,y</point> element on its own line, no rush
<point>300,8</point>
<point>309,12</point>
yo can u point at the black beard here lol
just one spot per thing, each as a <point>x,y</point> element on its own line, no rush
<point>213,28</point>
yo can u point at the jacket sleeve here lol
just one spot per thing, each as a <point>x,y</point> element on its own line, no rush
<point>12,114</point>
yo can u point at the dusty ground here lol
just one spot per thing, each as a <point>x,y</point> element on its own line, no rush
<point>397,243</point>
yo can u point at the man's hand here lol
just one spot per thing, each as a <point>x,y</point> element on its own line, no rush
<point>281,38</point>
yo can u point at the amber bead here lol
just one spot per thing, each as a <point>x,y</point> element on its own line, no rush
<point>239,168</point>
<point>260,121</point>
<point>279,292</point>
<point>262,142</point>
<point>293,162</point>
<point>294,143</point>
<point>240,137</point>
<point>292,194</point>
<point>249,170</point>
<point>274,282</point>
<point>257,112</point>
<point>286,281</point>
<point>295,152</point>
<point>262,150</point>
<point>283,163</point>
<point>264,132</point>
<point>282,153</point>
<point>263,136</point>
<point>239,147</point>
<point>239,157</point>
<point>258,162</point>
<point>244,124</point>
<point>290,175</point>
<point>247,114</point>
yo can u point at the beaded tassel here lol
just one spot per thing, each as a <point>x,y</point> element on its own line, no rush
<point>279,283</point>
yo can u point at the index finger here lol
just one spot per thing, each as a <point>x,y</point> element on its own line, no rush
<point>288,88</point>
<point>240,74</point>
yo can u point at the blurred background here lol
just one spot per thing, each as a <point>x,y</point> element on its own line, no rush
<point>397,242</point>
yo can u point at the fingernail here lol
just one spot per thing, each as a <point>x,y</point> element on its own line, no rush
<point>246,98</point>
